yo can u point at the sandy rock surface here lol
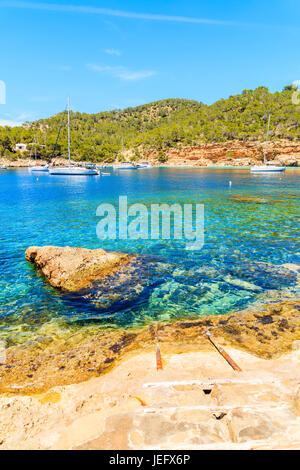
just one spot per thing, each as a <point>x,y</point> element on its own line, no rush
<point>73,355</point>
<point>196,402</point>
<point>72,269</point>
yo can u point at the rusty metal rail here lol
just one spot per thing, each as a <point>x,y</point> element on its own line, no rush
<point>223,353</point>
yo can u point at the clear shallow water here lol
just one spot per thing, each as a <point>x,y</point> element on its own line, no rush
<point>239,265</point>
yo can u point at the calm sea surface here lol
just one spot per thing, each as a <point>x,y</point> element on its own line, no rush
<point>246,244</point>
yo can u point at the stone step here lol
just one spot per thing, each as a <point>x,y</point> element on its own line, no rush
<point>160,408</point>
<point>190,427</point>
<point>214,393</point>
<point>208,383</point>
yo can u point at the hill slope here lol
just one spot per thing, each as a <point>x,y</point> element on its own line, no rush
<point>163,124</point>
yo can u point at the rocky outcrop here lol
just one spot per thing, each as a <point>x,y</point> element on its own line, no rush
<point>231,153</point>
<point>29,162</point>
<point>20,162</point>
<point>72,269</point>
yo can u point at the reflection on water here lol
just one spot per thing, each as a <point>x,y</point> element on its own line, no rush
<point>251,229</point>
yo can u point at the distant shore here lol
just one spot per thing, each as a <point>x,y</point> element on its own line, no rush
<point>20,166</point>
<point>223,155</point>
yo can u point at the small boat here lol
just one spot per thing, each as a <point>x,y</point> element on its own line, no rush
<point>72,168</point>
<point>37,167</point>
<point>144,165</point>
<point>44,168</point>
<point>3,168</point>
<point>267,167</point>
<point>125,166</point>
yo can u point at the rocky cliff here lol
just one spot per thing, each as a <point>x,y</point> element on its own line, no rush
<point>232,153</point>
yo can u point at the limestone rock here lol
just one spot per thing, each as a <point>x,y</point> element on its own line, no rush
<point>230,153</point>
<point>246,425</point>
<point>296,402</point>
<point>72,269</point>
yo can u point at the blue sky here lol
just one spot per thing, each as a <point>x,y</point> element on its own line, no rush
<point>114,54</point>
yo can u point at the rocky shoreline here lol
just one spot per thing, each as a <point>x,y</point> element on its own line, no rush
<point>92,387</point>
<point>25,162</point>
<point>232,153</point>
<point>78,354</point>
<point>221,154</point>
<point>71,397</point>
<point>63,354</point>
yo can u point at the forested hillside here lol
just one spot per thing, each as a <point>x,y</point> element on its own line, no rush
<point>162,124</point>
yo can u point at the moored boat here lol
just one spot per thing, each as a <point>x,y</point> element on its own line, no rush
<point>267,167</point>
<point>125,166</point>
<point>37,167</point>
<point>144,165</point>
<point>72,168</point>
<point>44,168</point>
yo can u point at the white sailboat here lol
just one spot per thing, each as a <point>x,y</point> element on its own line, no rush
<point>144,165</point>
<point>267,167</point>
<point>88,169</point>
<point>125,166</point>
<point>43,168</point>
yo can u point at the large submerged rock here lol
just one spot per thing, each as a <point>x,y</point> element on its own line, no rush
<point>72,269</point>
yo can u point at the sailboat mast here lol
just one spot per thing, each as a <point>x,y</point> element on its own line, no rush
<point>69,146</point>
<point>267,136</point>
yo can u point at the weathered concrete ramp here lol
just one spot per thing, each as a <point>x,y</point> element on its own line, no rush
<point>224,410</point>
<point>196,402</point>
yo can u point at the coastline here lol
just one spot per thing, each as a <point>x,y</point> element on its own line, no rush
<point>15,165</point>
<point>62,388</point>
<point>196,402</point>
<point>224,155</point>
<point>74,356</point>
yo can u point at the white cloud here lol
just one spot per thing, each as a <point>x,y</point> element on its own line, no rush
<point>15,121</point>
<point>24,117</point>
<point>113,52</point>
<point>123,73</point>
<point>8,122</point>
<point>115,13</point>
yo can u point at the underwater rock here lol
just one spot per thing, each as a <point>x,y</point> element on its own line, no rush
<point>248,199</point>
<point>71,268</point>
<point>128,287</point>
<point>242,284</point>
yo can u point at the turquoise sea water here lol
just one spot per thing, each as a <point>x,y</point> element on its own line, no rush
<point>240,264</point>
